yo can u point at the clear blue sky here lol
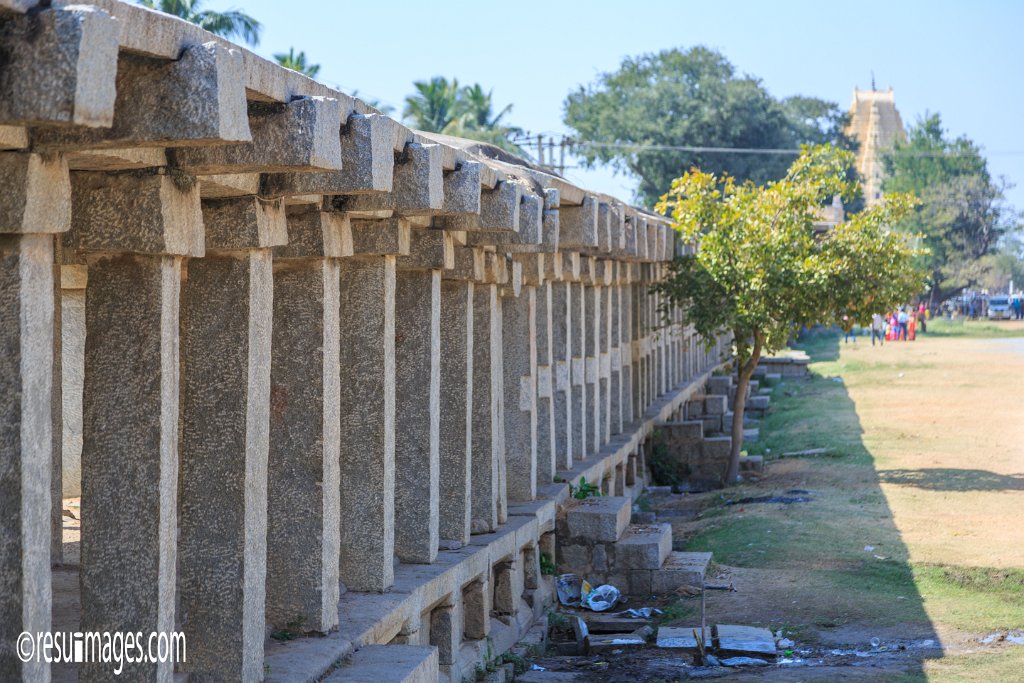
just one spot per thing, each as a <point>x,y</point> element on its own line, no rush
<point>963,59</point>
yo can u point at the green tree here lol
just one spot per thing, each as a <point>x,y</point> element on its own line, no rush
<point>297,62</point>
<point>228,24</point>
<point>635,118</point>
<point>440,106</point>
<point>761,270</point>
<point>962,214</point>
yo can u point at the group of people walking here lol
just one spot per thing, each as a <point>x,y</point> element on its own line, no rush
<point>901,324</point>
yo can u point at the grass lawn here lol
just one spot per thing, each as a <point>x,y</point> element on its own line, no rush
<point>913,531</point>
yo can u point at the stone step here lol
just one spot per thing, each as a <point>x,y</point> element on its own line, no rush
<point>680,569</point>
<point>389,664</point>
<point>719,385</point>
<point>744,641</point>
<point>716,405</point>
<point>751,435</point>
<point>643,546</point>
<point>758,402</point>
<point>601,519</point>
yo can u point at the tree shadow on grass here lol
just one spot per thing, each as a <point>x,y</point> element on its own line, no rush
<point>953,479</point>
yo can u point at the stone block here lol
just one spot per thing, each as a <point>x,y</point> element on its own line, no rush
<point>462,189</point>
<point>758,402</point>
<point>390,663</point>
<point>302,135</point>
<point>680,569</point>
<point>313,233</point>
<point>719,385</point>
<point>715,405</point>
<point>37,193</point>
<point>476,610</point>
<point>601,519</point>
<point>244,223</point>
<point>752,463</point>
<point>643,547</point>
<point>417,185</point>
<point>59,68</point>
<point>446,633</point>
<point>575,558</point>
<point>390,236</point>
<point>681,637</point>
<point>577,225</point>
<point>744,640</point>
<point>200,98</point>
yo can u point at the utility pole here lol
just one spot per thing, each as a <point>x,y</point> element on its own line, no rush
<point>540,149</point>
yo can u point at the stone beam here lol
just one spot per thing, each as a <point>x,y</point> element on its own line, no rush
<point>59,67</point>
<point>577,225</point>
<point>462,189</point>
<point>367,163</point>
<point>297,136</point>
<point>391,236</point>
<point>418,186</point>
<point>198,99</point>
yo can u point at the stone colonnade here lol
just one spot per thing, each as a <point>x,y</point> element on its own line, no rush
<point>302,349</point>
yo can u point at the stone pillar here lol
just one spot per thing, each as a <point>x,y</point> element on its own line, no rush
<point>417,412</point>
<point>457,397</point>
<point>639,368</point>
<point>580,332</point>
<point>72,302</point>
<point>303,506</point>
<point>604,366</point>
<point>487,413</point>
<point>133,228</point>
<point>615,407</point>
<point>368,422</point>
<point>591,339</point>
<point>561,345</point>
<point>546,454</point>
<point>520,363</point>
<point>26,367</point>
<point>227,317</point>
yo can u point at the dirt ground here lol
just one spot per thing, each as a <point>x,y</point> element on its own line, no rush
<point>913,533</point>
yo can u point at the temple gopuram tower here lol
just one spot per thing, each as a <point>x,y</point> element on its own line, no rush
<point>876,124</point>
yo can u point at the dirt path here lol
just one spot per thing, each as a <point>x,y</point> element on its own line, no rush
<point>913,534</point>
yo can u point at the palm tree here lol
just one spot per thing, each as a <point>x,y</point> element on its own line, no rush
<point>434,107</point>
<point>227,24</point>
<point>297,62</point>
<point>477,108</point>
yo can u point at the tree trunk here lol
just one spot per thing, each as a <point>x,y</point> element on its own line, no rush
<point>745,372</point>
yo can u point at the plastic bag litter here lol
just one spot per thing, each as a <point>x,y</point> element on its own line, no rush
<point>602,598</point>
<point>643,612</point>
<point>569,589</point>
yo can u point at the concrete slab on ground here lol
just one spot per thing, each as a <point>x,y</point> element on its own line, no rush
<point>744,640</point>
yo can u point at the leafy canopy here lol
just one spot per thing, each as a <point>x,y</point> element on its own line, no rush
<point>763,268</point>
<point>228,24</point>
<point>441,106</point>
<point>692,98</point>
<point>961,216</point>
<point>297,62</point>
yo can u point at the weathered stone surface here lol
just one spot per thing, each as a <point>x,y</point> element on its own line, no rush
<point>26,335</point>
<point>301,135</point>
<point>390,236</point>
<point>418,185</point>
<point>368,423</point>
<point>446,633</point>
<point>745,640</point>
<point>681,638</point>
<point>643,547</point>
<point>456,410</point>
<point>680,569</point>
<point>303,508</point>
<point>13,137</point>
<point>602,519</point>
<point>476,608</point>
<point>462,189</point>
<point>37,193</point>
<point>146,214</point>
<point>130,415</point>
<point>487,413</point>
<point>499,208</point>
<point>398,663</point>
<point>417,414</point>
<point>429,250</point>
<point>577,225</point>
<point>313,233</point>
<point>520,364</point>
<point>227,310</point>
<point>561,337</point>
<point>200,98</point>
<point>245,223</point>
<point>59,68</point>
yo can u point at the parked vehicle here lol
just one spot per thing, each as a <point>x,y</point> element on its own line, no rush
<point>999,308</point>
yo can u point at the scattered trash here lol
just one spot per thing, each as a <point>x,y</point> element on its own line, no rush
<point>881,557</point>
<point>537,667</point>
<point>744,661</point>
<point>784,643</point>
<point>711,660</point>
<point>643,612</point>
<point>569,589</point>
<point>869,548</point>
<point>1015,638</point>
<point>809,451</point>
<point>839,380</point>
<point>875,643</point>
<point>602,598</point>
